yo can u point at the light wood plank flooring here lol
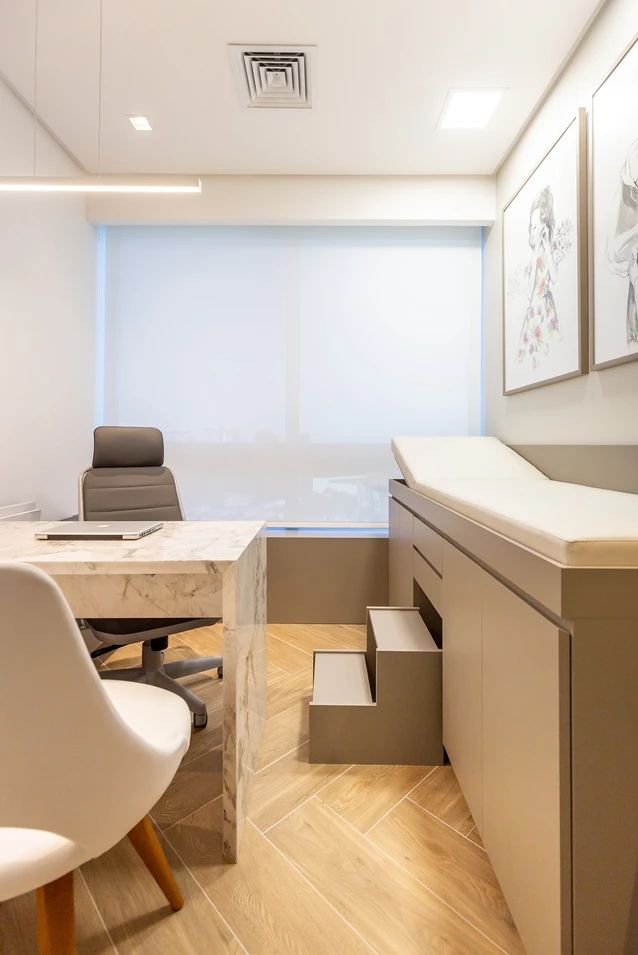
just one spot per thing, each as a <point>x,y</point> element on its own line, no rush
<point>352,859</point>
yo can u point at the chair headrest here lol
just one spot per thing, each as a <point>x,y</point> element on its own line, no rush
<point>127,447</point>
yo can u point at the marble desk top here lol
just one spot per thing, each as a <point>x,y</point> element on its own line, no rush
<point>179,547</point>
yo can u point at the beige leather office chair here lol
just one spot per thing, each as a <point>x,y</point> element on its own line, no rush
<point>129,482</point>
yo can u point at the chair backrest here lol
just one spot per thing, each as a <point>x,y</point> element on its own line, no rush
<point>67,758</point>
<point>128,480</point>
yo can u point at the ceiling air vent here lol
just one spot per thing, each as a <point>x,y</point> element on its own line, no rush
<point>276,76</point>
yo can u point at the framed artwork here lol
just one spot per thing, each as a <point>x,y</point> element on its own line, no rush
<point>614,214</point>
<point>545,268</point>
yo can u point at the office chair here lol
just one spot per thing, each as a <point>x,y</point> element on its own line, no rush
<point>82,769</point>
<point>128,482</point>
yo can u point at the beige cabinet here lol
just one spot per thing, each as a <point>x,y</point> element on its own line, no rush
<point>526,792</point>
<point>400,588</point>
<point>506,729</point>
<point>539,674</point>
<point>462,589</point>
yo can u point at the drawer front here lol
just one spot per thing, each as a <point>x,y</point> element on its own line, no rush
<point>429,544</point>
<point>462,687</point>
<point>428,580</point>
<point>400,556</point>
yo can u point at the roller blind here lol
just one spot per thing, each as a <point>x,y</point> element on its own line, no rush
<point>279,362</point>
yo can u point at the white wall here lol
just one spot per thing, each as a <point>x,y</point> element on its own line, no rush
<point>47,322</point>
<point>599,407</point>
<point>310,200</point>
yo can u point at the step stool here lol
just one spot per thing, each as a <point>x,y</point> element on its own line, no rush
<point>381,705</point>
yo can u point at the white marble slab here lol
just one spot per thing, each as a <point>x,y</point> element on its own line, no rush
<point>184,547</point>
<point>244,684</point>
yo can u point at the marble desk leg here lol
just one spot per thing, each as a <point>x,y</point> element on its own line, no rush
<point>244,612</point>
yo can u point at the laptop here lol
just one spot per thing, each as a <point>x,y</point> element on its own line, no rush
<point>98,530</point>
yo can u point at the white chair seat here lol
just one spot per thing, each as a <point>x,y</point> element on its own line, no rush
<point>30,857</point>
<point>162,719</point>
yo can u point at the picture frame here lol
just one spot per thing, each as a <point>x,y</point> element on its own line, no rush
<point>613,215</point>
<point>545,268</point>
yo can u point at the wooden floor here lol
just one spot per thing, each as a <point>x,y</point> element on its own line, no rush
<point>335,859</point>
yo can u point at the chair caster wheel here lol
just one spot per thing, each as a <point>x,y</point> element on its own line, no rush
<point>220,673</point>
<point>200,720</point>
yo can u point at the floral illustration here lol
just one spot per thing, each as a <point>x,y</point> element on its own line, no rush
<point>622,249</point>
<point>549,245</point>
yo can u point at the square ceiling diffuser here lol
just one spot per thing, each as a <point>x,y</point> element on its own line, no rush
<point>276,76</point>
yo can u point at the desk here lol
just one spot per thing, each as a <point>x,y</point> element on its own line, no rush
<point>186,569</point>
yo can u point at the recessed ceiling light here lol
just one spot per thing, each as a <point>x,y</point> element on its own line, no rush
<point>469,108</point>
<point>140,123</point>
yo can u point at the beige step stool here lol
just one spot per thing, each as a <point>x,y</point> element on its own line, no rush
<point>382,705</point>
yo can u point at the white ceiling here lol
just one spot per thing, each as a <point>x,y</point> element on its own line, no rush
<point>380,75</point>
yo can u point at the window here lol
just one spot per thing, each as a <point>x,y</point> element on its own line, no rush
<point>279,362</point>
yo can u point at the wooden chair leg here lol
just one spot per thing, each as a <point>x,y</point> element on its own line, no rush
<point>148,847</point>
<point>56,917</point>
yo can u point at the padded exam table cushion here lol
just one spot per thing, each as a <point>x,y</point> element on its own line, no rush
<point>489,483</point>
<point>428,462</point>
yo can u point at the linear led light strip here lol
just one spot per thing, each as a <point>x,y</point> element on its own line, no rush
<point>142,185</point>
<point>100,184</point>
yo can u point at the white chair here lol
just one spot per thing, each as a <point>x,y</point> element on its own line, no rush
<point>82,760</point>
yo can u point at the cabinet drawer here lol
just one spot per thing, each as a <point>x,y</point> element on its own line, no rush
<point>428,580</point>
<point>428,543</point>
<point>400,556</point>
<point>462,689</point>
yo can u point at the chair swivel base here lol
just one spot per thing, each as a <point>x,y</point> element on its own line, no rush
<point>157,673</point>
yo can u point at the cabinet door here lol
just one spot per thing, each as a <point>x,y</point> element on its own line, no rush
<point>400,589</point>
<point>462,733</point>
<point>526,791</point>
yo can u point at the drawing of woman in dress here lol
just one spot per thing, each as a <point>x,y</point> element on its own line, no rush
<point>540,323</point>
<point>622,250</point>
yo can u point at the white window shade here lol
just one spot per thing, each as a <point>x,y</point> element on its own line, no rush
<point>279,362</point>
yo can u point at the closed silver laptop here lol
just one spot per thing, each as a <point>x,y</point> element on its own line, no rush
<point>98,530</point>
